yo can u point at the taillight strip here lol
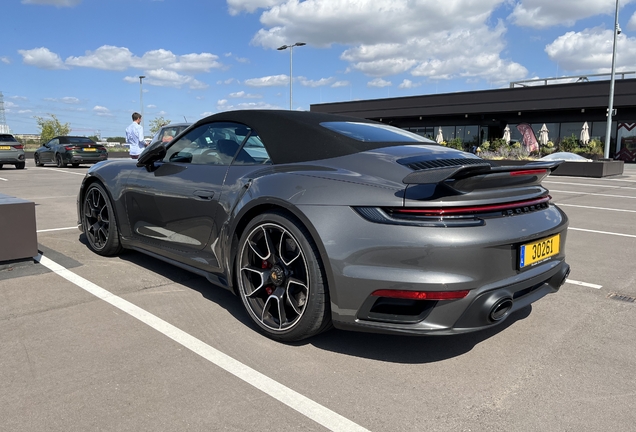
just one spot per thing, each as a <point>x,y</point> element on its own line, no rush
<point>421,295</point>
<point>472,209</point>
<point>528,172</point>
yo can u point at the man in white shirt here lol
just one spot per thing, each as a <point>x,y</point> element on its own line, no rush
<point>135,136</point>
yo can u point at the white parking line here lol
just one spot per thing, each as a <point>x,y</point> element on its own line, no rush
<point>602,232</point>
<point>316,412</point>
<point>585,284</point>
<point>595,194</point>
<point>65,171</point>
<point>4,179</point>
<point>595,208</point>
<point>590,185</point>
<point>57,229</point>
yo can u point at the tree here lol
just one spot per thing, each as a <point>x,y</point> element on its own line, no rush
<point>50,128</point>
<point>156,124</point>
<point>94,138</point>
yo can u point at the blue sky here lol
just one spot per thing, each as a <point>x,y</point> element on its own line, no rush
<point>80,59</point>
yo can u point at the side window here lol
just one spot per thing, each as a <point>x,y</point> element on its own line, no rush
<point>218,144</point>
<point>54,142</point>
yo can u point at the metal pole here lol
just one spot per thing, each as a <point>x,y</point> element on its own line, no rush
<point>141,101</point>
<point>610,109</point>
<point>291,78</point>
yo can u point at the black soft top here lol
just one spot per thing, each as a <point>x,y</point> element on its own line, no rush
<point>297,136</point>
<point>74,139</point>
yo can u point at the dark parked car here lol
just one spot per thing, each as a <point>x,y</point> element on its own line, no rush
<point>11,151</point>
<point>74,150</point>
<point>315,220</point>
<point>168,132</point>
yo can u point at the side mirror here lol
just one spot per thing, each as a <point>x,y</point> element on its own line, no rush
<point>151,154</point>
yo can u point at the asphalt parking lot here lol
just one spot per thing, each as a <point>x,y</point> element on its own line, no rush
<point>132,344</point>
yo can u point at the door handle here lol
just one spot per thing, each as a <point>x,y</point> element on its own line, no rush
<point>204,194</point>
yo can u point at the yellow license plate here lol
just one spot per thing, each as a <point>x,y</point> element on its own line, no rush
<point>90,149</point>
<point>532,253</point>
<point>5,147</point>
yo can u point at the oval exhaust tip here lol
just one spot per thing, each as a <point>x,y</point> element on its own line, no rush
<point>500,309</point>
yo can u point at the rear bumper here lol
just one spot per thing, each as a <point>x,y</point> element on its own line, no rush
<point>86,159</point>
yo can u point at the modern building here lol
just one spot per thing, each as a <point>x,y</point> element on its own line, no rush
<point>478,116</point>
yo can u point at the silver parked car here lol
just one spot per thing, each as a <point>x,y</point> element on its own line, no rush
<point>316,220</point>
<point>11,152</point>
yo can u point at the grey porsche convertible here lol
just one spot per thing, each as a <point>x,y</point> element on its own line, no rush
<point>317,221</point>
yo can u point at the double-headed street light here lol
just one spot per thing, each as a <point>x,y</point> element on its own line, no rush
<point>141,100</point>
<point>291,51</point>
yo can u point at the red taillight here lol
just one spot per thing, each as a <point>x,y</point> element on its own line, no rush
<point>421,295</point>
<point>472,209</point>
<point>68,148</point>
<point>529,172</point>
<point>18,146</point>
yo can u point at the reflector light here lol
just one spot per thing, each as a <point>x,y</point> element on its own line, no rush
<point>528,172</point>
<point>421,295</point>
<point>473,209</point>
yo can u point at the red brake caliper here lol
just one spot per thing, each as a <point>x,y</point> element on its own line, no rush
<point>264,265</point>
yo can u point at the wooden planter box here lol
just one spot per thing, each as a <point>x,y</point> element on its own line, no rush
<point>598,168</point>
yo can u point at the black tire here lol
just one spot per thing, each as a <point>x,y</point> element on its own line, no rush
<point>59,161</point>
<point>36,158</point>
<point>281,279</point>
<point>75,165</point>
<point>20,165</point>
<point>1,166</point>
<point>99,222</point>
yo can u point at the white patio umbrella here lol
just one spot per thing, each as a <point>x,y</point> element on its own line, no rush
<point>585,134</point>
<point>543,135</point>
<point>506,135</point>
<point>440,136</point>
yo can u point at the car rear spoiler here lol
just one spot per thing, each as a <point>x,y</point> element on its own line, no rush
<point>461,172</point>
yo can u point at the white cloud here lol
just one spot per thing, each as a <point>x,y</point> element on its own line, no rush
<point>397,43</point>
<point>57,3</point>
<point>547,13</point>
<point>242,94</point>
<point>42,58</point>
<point>151,106</point>
<point>315,83</point>
<point>9,104</point>
<point>228,81</point>
<point>407,84</point>
<point>379,82</point>
<point>237,6</point>
<point>166,78</point>
<point>340,84</point>
<point>102,111</point>
<point>67,100</point>
<point>6,60</point>
<point>224,105</point>
<point>591,50</point>
<point>268,81</point>
<point>631,25</point>
<point>24,111</point>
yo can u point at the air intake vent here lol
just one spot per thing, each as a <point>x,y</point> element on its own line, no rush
<point>417,165</point>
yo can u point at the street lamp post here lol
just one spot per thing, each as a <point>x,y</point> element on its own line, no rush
<point>291,51</point>
<point>610,109</point>
<point>141,100</point>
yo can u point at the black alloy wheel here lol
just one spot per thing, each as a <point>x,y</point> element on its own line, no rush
<point>36,158</point>
<point>280,279</point>
<point>99,223</point>
<point>59,161</point>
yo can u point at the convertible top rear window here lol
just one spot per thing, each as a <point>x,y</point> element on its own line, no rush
<point>78,140</point>
<point>373,132</point>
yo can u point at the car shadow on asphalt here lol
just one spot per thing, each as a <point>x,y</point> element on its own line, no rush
<point>410,349</point>
<point>383,347</point>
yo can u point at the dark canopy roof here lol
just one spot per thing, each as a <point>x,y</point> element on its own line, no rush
<point>296,136</point>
